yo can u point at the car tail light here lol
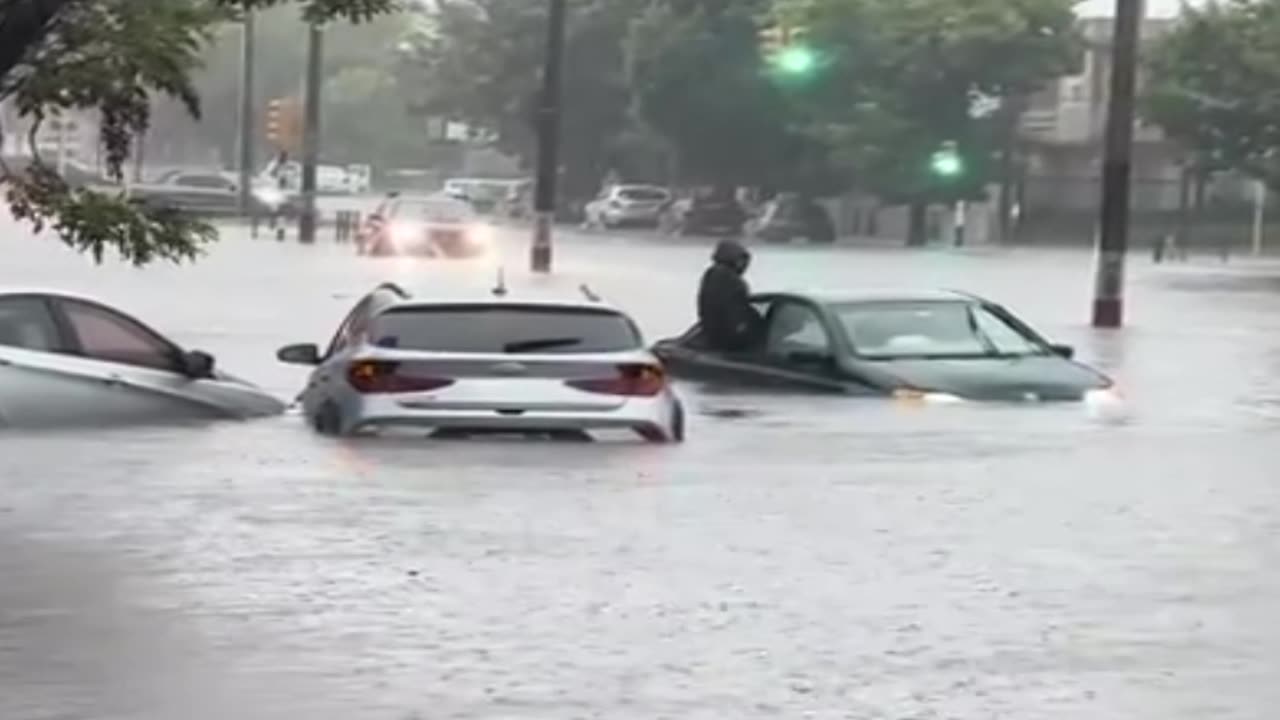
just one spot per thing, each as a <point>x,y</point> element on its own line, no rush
<point>377,377</point>
<point>631,381</point>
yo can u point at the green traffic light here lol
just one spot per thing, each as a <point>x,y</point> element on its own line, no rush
<point>797,60</point>
<point>947,163</point>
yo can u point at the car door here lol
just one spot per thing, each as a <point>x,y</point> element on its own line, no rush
<point>34,389</point>
<point>136,371</point>
<point>798,347</point>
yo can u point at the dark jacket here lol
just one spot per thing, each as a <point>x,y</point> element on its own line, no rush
<point>728,320</point>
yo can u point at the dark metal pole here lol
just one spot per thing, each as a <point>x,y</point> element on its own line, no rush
<point>246,139</point>
<point>1117,169</point>
<point>548,139</point>
<point>311,134</point>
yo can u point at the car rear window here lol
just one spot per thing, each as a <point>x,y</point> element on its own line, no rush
<point>435,211</point>
<point>512,329</point>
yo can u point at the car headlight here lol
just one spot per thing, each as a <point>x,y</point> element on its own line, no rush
<point>926,397</point>
<point>480,235</point>
<point>269,196</point>
<point>1103,397</point>
<point>401,233</point>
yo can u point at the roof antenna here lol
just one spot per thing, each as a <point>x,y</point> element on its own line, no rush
<point>588,293</point>
<point>500,290</point>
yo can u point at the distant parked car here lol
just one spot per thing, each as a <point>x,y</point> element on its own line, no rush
<point>198,193</point>
<point>620,205</point>
<point>708,212</point>
<point>791,216</point>
<point>68,360</point>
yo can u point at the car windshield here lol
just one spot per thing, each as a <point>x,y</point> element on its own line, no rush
<point>434,211</point>
<point>642,194</point>
<point>505,329</point>
<point>932,330</point>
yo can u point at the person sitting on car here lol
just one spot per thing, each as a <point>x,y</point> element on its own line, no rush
<point>729,322</point>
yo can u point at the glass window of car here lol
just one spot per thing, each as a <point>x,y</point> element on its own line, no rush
<point>796,327</point>
<point>27,323</point>
<point>925,329</point>
<point>441,210</point>
<point>355,322</point>
<point>106,335</point>
<point>642,194</point>
<point>496,329</point>
<point>1006,339</point>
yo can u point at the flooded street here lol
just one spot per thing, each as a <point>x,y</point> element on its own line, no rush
<point>799,557</point>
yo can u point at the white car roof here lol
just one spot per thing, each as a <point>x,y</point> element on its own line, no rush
<point>557,295</point>
<point>870,295</point>
<point>507,301</point>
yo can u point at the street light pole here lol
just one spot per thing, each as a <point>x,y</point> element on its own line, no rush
<point>246,138</point>
<point>311,134</point>
<point>548,139</point>
<point>1117,169</point>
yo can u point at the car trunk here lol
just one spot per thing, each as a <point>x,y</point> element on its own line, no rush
<point>503,382</point>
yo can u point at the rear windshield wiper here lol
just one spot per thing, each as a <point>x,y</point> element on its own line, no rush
<point>540,344</point>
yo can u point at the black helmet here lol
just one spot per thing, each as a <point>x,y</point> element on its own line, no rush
<point>732,254</point>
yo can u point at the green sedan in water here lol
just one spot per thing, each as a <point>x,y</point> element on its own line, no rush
<point>936,345</point>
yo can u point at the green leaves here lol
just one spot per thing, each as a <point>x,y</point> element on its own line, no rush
<point>93,221</point>
<point>113,57</point>
<point>1214,85</point>
<point>904,76</point>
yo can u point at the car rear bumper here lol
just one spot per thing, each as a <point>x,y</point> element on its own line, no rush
<point>373,414</point>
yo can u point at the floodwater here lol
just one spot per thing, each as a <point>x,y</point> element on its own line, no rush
<point>800,557</point>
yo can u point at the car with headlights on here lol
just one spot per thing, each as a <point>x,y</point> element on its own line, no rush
<point>67,360</point>
<point>932,345</point>
<point>561,368</point>
<point>435,226</point>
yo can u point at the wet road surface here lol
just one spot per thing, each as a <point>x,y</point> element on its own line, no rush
<point>800,557</point>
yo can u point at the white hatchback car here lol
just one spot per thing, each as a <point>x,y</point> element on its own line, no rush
<point>492,366</point>
<point>619,205</point>
<point>72,361</point>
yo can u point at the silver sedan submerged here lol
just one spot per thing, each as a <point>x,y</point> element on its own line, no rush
<point>501,366</point>
<point>71,361</point>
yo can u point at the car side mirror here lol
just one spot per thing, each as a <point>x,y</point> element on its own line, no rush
<point>1064,351</point>
<point>303,354</point>
<point>198,365</point>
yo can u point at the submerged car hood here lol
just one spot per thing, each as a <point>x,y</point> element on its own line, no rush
<point>1018,378</point>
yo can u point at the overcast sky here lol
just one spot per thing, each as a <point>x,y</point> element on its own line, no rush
<point>1156,8</point>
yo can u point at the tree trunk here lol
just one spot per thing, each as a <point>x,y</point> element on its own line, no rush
<point>918,224</point>
<point>1012,118</point>
<point>1182,235</point>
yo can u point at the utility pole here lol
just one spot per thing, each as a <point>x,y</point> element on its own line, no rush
<point>311,134</point>
<point>1117,168</point>
<point>246,112</point>
<point>1259,216</point>
<point>548,139</point>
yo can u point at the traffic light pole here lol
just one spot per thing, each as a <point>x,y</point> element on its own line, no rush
<point>246,113</point>
<point>548,139</point>
<point>311,134</point>
<point>1117,169</point>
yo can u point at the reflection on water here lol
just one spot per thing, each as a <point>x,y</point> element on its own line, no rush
<point>799,557</point>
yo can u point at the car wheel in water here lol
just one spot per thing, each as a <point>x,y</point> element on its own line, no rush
<point>328,420</point>
<point>665,436</point>
<point>677,424</point>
